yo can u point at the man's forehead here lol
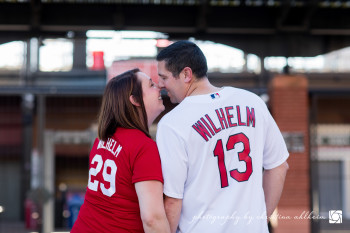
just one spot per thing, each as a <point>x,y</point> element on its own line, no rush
<point>163,71</point>
<point>161,64</point>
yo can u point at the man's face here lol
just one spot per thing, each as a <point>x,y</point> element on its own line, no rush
<point>175,86</point>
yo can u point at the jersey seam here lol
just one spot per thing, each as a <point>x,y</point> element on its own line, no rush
<point>147,178</point>
<point>173,195</point>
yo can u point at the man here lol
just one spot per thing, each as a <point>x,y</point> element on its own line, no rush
<point>223,156</point>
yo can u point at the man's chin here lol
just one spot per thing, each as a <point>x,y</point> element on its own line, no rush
<point>173,101</point>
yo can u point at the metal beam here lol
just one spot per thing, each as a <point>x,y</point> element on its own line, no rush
<point>273,27</point>
<point>52,90</point>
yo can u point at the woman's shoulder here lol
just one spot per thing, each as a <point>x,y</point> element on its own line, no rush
<point>134,142</point>
<point>130,132</point>
<point>131,136</point>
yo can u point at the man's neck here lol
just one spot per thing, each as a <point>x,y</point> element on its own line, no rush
<point>201,87</point>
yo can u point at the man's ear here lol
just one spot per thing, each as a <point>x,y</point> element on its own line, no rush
<point>133,101</point>
<point>188,74</point>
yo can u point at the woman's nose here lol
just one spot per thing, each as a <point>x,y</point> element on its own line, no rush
<point>156,85</point>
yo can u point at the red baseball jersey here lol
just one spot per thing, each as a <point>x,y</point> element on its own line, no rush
<point>111,203</point>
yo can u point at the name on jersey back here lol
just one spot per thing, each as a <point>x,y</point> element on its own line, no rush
<point>111,145</point>
<point>228,117</point>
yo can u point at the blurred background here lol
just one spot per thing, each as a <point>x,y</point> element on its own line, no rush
<point>56,57</point>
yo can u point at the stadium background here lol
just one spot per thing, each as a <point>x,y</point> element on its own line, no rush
<point>48,118</point>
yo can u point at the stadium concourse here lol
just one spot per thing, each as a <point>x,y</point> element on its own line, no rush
<point>48,119</point>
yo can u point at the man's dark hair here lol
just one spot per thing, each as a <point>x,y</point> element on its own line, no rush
<point>183,54</point>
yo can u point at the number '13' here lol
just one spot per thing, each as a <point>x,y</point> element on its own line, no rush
<point>242,156</point>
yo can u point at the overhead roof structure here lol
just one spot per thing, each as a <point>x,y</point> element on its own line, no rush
<point>262,27</point>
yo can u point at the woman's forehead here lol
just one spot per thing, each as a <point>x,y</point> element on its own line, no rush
<point>142,76</point>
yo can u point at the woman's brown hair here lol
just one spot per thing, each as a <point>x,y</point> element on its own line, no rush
<point>117,110</point>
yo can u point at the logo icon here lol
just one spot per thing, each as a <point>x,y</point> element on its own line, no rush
<point>215,95</point>
<point>335,216</point>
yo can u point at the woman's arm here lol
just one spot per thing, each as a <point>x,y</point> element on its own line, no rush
<point>150,195</point>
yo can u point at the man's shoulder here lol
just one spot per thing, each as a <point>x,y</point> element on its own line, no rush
<point>245,95</point>
<point>173,115</point>
<point>240,92</point>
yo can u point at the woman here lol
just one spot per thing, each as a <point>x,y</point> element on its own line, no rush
<point>125,187</point>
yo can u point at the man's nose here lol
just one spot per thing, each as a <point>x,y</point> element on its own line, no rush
<point>160,84</point>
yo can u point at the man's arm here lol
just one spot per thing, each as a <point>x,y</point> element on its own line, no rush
<point>173,210</point>
<point>150,195</point>
<point>273,181</point>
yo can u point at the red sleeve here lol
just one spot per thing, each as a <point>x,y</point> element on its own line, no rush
<point>147,165</point>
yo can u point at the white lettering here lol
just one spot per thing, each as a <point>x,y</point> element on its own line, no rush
<point>110,145</point>
<point>117,151</point>
<point>100,145</point>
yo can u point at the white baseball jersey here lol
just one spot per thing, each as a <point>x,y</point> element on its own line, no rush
<point>213,150</point>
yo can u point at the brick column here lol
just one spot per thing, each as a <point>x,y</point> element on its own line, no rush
<point>289,107</point>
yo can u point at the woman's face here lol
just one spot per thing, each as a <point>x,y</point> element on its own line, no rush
<point>151,97</point>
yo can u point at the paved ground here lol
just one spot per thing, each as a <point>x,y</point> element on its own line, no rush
<point>13,227</point>
<point>19,227</point>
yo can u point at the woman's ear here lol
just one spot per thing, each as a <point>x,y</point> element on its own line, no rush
<point>133,101</point>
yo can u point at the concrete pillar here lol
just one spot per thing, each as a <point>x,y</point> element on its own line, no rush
<point>49,183</point>
<point>79,53</point>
